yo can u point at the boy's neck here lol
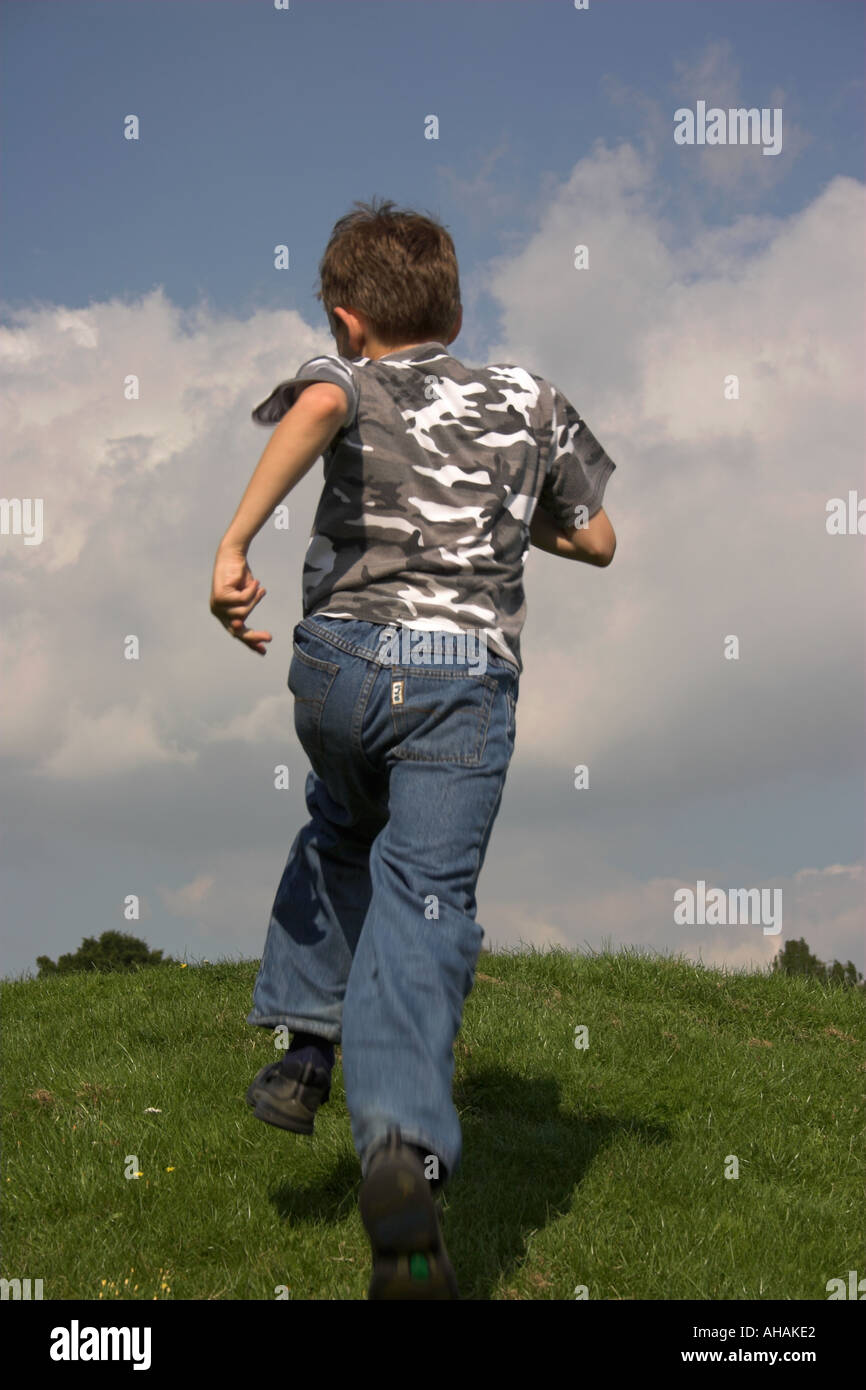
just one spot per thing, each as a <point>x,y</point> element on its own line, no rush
<point>386,351</point>
<point>354,339</point>
<point>373,350</point>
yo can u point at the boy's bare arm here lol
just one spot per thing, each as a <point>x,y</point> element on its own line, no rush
<point>304,432</point>
<point>593,544</point>
<point>302,435</point>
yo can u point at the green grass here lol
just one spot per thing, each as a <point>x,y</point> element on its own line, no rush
<point>601,1167</point>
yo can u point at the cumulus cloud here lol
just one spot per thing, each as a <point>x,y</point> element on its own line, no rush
<point>136,496</point>
<point>713,75</point>
<point>719,506</point>
<point>270,717</point>
<point>121,739</point>
<point>191,899</point>
<point>824,905</point>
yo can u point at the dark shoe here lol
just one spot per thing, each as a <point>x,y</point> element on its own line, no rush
<point>400,1217</point>
<point>289,1101</point>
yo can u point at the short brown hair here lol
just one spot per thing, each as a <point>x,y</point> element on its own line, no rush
<point>396,267</point>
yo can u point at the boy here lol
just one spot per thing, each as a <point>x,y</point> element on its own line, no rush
<point>405,673</point>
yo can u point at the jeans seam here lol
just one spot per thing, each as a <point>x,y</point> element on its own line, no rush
<point>352,648</point>
<point>360,713</point>
<point>493,810</point>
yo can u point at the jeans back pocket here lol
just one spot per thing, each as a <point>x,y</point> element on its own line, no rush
<point>310,680</point>
<point>440,716</point>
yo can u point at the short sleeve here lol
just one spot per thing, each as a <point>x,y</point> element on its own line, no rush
<point>577,466</point>
<point>326,368</point>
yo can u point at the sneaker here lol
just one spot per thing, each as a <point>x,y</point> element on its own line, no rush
<point>288,1094</point>
<point>400,1217</point>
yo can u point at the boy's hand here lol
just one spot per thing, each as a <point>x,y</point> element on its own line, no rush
<point>234,594</point>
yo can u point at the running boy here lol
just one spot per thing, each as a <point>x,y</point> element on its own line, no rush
<point>437,479</point>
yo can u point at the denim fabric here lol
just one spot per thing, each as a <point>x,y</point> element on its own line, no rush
<point>373,940</point>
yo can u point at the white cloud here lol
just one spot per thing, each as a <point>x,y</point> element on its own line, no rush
<point>718,505</point>
<point>712,75</point>
<point>829,913</point>
<point>269,718</point>
<point>192,899</point>
<point>136,496</point>
<point>108,468</point>
<point>123,738</point>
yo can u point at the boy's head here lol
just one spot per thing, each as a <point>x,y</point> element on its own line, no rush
<point>393,272</point>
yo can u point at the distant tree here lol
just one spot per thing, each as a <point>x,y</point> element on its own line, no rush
<point>113,951</point>
<point>847,975</point>
<point>795,958</point>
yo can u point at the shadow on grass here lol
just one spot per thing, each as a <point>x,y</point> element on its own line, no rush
<point>523,1158</point>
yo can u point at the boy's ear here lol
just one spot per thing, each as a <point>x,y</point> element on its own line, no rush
<point>346,327</point>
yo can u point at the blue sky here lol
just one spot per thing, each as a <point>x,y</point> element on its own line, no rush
<point>260,127</point>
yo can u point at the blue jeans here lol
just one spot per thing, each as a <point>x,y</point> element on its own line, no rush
<point>372,940</point>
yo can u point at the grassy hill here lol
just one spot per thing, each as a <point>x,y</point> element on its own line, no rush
<point>602,1166</point>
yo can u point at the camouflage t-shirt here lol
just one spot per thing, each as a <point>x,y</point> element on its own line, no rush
<point>430,486</point>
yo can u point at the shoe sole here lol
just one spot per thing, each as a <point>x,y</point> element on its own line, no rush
<point>399,1215</point>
